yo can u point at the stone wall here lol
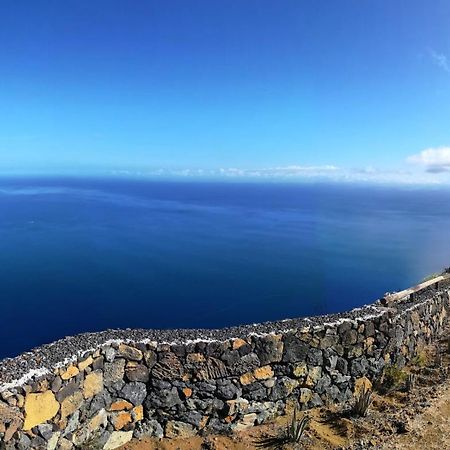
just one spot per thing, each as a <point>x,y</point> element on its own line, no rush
<point>104,388</point>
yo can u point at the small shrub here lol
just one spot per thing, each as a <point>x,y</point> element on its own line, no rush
<point>421,359</point>
<point>293,434</point>
<point>297,427</point>
<point>362,403</point>
<point>393,376</point>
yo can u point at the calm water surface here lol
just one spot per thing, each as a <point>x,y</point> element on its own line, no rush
<point>86,255</point>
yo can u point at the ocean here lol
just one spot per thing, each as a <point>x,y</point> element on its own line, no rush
<point>82,255</point>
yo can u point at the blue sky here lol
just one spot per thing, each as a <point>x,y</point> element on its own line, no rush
<point>345,89</point>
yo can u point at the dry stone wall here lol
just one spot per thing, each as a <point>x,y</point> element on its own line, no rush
<point>102,389</point>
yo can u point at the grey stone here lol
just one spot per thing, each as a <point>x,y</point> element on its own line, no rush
<point>342,366</point>
<point>56,384</point>
<point>114,371</point>
<point>161,384</point>
<point>24,442</point>
<point>349,337</point>
<point>192,417</point>
<point>148,428</point>
<point>100,401</point>
<point>359,367</point>
<point>164,399</point>
<point>269,349</point>
<point>99,363</point>
<point>333,392</point>
<point>329,341</point>
<point>134,392</point>
<point>72,424</point>
<point>38,443</point>
<point>231,357</point>
<point>315,357</point>
<point>255,391</point>
<point>247,363</point>
<point>137,373</point>
<point>227,390</point>
<point>110,353</point>
<point>214,405</point>
<point>116,387</point>
<point>45,430</point>
<point>67,390</point>
<point>330,362</point>
<point>294,349</point>
<point>205,387</point>
<point>216,426</point>
<point>316,400</point>
<point>323,384</point>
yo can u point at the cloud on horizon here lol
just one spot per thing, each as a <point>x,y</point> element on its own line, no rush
<point>434,159</point>
<point>294,173</point>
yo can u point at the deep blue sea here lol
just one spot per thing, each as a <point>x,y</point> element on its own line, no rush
<point>84,254</point>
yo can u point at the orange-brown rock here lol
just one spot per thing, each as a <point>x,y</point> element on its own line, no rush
<point>121,419</point>
<point>70,372</point>
<point>138,413</point>
<point>120,405</point>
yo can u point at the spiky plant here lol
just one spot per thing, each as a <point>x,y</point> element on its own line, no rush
<point>293,434</point>
<point>297,427</point>
<point>362,403</point>
<point>410,382</point>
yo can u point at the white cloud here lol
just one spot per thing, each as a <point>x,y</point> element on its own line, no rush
<point>279,171</point>
<point>435,160</point>
<point>298,173</point>
<point>440,60</point>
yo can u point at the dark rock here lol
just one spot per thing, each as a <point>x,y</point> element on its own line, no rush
<point>359,367</point>
<point>150,358</point>
<point>56,384</point>
<point>247,363</point>
<point>269,349</point>
<point>231,357</point>
<point>24,442</point>
<point>294,349</point>
<point>100,401</point>
<point>316,400</point>
<point>315,357</point>
<point>38,443</point>
<point>134,392</point>
<point>98,363</point>
<point>323,384</point>
<point>164,399</point>
<point>137,372</point>
<point>67,390</point>
<point>192,417</point>
<point>227,390</point>
<point>148,428</point>
<point>342,366</point>
<point>349,337</point>
<point>255,391</point>
<point>45,430</point>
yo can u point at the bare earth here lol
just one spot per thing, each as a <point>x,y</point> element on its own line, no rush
<point>397,420</point>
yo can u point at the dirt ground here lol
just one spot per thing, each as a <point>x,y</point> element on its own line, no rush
<point>397,419</point>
